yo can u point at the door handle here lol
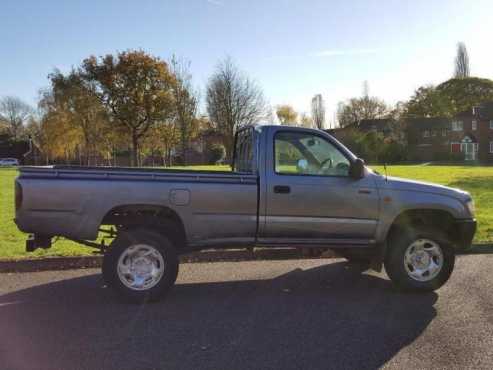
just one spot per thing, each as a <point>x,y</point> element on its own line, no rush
<point>282,189</point>
<point>364,191</point>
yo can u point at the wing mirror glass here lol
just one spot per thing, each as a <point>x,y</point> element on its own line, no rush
<point>357,169</point>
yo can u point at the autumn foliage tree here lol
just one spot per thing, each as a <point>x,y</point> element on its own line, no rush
<point>82,109</point>
<point>137,90</point>
<point>286,114</point>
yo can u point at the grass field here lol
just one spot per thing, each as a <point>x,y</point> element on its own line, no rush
<point>477,180</point>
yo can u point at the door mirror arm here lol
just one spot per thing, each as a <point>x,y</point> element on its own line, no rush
<point>357,169</point>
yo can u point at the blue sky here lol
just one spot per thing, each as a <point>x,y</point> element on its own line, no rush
<point>293,49</point>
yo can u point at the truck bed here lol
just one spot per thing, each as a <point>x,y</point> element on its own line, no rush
<point>213,206</point>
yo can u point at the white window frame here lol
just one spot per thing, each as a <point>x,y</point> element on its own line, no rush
<point>444,132</point>
<point>457,125</point>
<point>474,125</point>
<point>426,133</point>
<point>491,147</point>
<point>491,124</point>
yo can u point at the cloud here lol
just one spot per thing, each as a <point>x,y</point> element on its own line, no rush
<point>215,2</point>
<point>341,52</point>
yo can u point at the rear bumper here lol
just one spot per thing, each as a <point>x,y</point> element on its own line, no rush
<point>464,232</point>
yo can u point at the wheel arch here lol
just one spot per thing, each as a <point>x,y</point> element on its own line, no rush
<point>163,219</point>
<point>430,218</point>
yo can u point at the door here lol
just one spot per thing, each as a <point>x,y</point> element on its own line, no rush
<point>310,195</point>
<point>469,148</point>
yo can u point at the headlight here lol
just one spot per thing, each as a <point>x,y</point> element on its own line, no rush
<point>470,206</point>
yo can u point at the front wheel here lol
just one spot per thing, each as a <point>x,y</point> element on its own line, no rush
<point>419,260</point>
<point>141,265</point>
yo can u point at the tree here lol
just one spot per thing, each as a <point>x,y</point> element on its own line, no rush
<point>14,113</point>
<point>318,111</point>
<point>163,138</point>
<point>233,100</point>
<point>357,109</point>
<point>461,62</point>
<point>306,120</point>
<point>84,111</point>
<point>449,98</point>
<point>137,90</point>
<point>186,103</point>
<point>286,114</point>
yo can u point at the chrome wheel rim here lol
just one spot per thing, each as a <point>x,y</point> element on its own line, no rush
<point>140,267</point>
<point>423,260</point>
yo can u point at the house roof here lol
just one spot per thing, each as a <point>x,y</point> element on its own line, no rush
<point>432,122</point>
<point>379,124</point>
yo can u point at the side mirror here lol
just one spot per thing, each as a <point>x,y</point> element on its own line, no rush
<point>357,169</point>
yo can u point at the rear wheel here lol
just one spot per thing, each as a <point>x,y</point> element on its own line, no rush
<point>419,259</point>
<point>141,265</point>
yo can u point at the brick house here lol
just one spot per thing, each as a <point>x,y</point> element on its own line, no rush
<point>467,136</point>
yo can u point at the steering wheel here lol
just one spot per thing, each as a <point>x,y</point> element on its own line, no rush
<point>325,165</point>
<point>342,168</point>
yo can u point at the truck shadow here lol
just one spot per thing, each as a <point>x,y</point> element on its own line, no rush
<point>332,316</point>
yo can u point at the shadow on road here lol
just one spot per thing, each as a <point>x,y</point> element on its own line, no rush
<point>325,317</point>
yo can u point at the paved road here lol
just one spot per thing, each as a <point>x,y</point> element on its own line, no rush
<point>312,314</point>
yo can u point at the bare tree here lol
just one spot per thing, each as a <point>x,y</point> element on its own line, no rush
<point>233,100</point>
<point>306,120</point>
<point>186,102</point>
<point>318,111</point>
<point>14,112</point>
<point>462,62</point>
<point>357,109</point>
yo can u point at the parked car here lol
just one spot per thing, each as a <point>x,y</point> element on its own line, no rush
<point>9,162</point>
<point>289,187</point>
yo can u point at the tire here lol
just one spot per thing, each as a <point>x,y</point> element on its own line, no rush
<point>412,256</point>
<point>141,265</point>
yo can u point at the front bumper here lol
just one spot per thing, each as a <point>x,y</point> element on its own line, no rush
<point>464,232</point>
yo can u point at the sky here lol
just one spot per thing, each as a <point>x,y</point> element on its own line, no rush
<point>292,49</point>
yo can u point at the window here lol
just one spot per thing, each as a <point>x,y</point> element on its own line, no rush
<point>426,133</point>
<point>457,125</point>
<point>491,146</point>
<point>491,124</point>
<point>434,133</point>
<point>243,161</point>
<point>474,125</point>
<point>444,132</point>
<point>298,153</point>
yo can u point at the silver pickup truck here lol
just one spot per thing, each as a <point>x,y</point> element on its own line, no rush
<point>289,187</point>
